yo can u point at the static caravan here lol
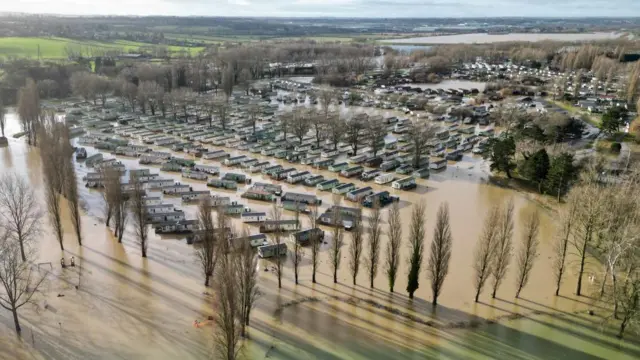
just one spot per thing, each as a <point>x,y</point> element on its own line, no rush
<point>298,177</point>
<point>270,170</point>
<point>94,159</point>
<point>239,178</point>
<point>343,188</point>
<point>164,217</point>
<point>370,174</point>
<point>323,164</point>
<point>171,166</point>
<point>248,162</point>
<point>93,176</point>
<point>159,209</point>
<point>258,166</point>
<point>148,160</point>
<point>195,175</point>
<point>284,225</point>
<point>359,194</point>
<point>327,184</point>
<point>253,217</point>
<point>269,151</point>
<point>160,154</point>
<point>309,159</point>
<point>166,141</point>
<point>358,159</point>
<point>193,196</point>
<point>422,173</point>
<point>176,189</point>
<point>304,236</point>
<point>267,251</point>
<point>158,183</point>
<point>272,188</point>
<point>384,178</point>
<point>294,206</point>
<point>235,209</point>
<point>259,194</point>
<point>254,240</point>
<point>352,171</point>
<point>404,184</point>
<point>152,200</point>
<point>178,227</point>
<point>301,198</point>
<point>220,201</point>
<point>215,155</point>
<point>314,180</point>
<point>380,199</point>
<point>438,164</point>
<point>139,172</point>
<point>94,184</point>
<point>455,155</point>
<point>338,167</point>
<point>222,184</point>
<point>330,154</point>
<point>283,174</point>
<point>207,169</point>
<point>235,160</point>
<point>389,165</point>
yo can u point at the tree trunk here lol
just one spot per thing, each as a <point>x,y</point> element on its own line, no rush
<point>313,275</point>
<point>335,277</point>
<point>582,261</point>
<point>477,295</point>
<point>508,173</point>
<point>16,321</point>
<point>623,325</point>
<point>206,280</point>
<point>604,281</point>
<point>24,257</point>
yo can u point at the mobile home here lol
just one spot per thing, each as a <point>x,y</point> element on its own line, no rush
<point>384,178</point>
<point>258,166</point>
<point>267,251</point>
<point>338,167</point>
<point>159,209</point>
<point>222,184</point>
<point>283,225</point>
<point>157,183</point>
<point>195,175</point>
<point>298,177</point>
<point>304,236</point>
<point>207,169</point>
<point>359,194</point>
<point>165,217</point>
<point>327,184</point>
<point>352,171</point>
<point>236,160</point>
<point>301,198</point>
<point>253,217</point>
<point>314,180</point>
<point>343,188</point>
<point>193,196</point>
<point>404,184</point>
<point>177,227</point>
<point>438,164</point>
<point>176,189</point>
<point>254,240</point>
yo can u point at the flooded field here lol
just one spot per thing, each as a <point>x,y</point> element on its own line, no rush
<point>484,38</point>
<point>117,305</point>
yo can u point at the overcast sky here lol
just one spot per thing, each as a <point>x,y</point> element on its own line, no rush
<point>338,8</point>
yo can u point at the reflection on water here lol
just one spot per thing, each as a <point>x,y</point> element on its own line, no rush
<point>129,307</point>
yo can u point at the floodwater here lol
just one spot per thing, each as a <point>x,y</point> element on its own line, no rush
<point>484,38</point>
<point>127,307</point>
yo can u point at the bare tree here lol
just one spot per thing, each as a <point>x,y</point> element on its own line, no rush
<point>221,110</point>
<point>335,129</point>
<point>503,247</point>
<point>297,254</point>
<point>356,246</point>
<point>112,188</point>
<point>139,213</point>
<point>70,187</point>
<point>228,315</point>
<point>19,278</point>
<point>394,235</point>
<point>420,134</point>
<point>354,131</point>
<point>19,210</point>
<point>244,79</point>
<point>376,130</point>
<point>417,233</point>
<point>247,280</point>
<point>253,111</point>
<point>29,110</point>
<point>3,120</point>
<point>301,122</point>
<point>206,252</point>
<point>561,244</point>
<point>440,255</point>
<point>588,221</point>
<point>483,252</point>
<point>315,242</point>
<point>374,233</point>
<point>627,297</point>
<point>276,215</point>
<point>52,199</point>
<point>336,244</point>
<point>528,251</point>
<point>227,82</point>
<point>318,122</point>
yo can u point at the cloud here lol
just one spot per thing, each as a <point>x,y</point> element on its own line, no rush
<point>337,8</point>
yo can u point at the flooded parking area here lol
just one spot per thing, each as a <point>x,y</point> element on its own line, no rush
<point>116,304</point>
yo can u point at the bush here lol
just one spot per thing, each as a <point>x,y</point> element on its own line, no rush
<point>616,147</point>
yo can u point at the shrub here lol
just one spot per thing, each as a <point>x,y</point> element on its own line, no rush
<point>616,147</point>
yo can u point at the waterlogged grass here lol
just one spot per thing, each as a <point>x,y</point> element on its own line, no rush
<point>55,48</point>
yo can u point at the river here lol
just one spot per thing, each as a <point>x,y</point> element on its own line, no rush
<point>129,307</point>
<point>484,38</point>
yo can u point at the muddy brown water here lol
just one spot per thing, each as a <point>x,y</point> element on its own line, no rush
<point>129,307</point>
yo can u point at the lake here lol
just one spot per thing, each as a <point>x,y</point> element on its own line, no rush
<point>484,38</point>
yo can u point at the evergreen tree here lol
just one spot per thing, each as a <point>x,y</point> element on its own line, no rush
<point>536,167</point>
<point>561,174</point>
<point>501,152</point>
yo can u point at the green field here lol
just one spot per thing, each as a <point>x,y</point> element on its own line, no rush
<point>55,48</point>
